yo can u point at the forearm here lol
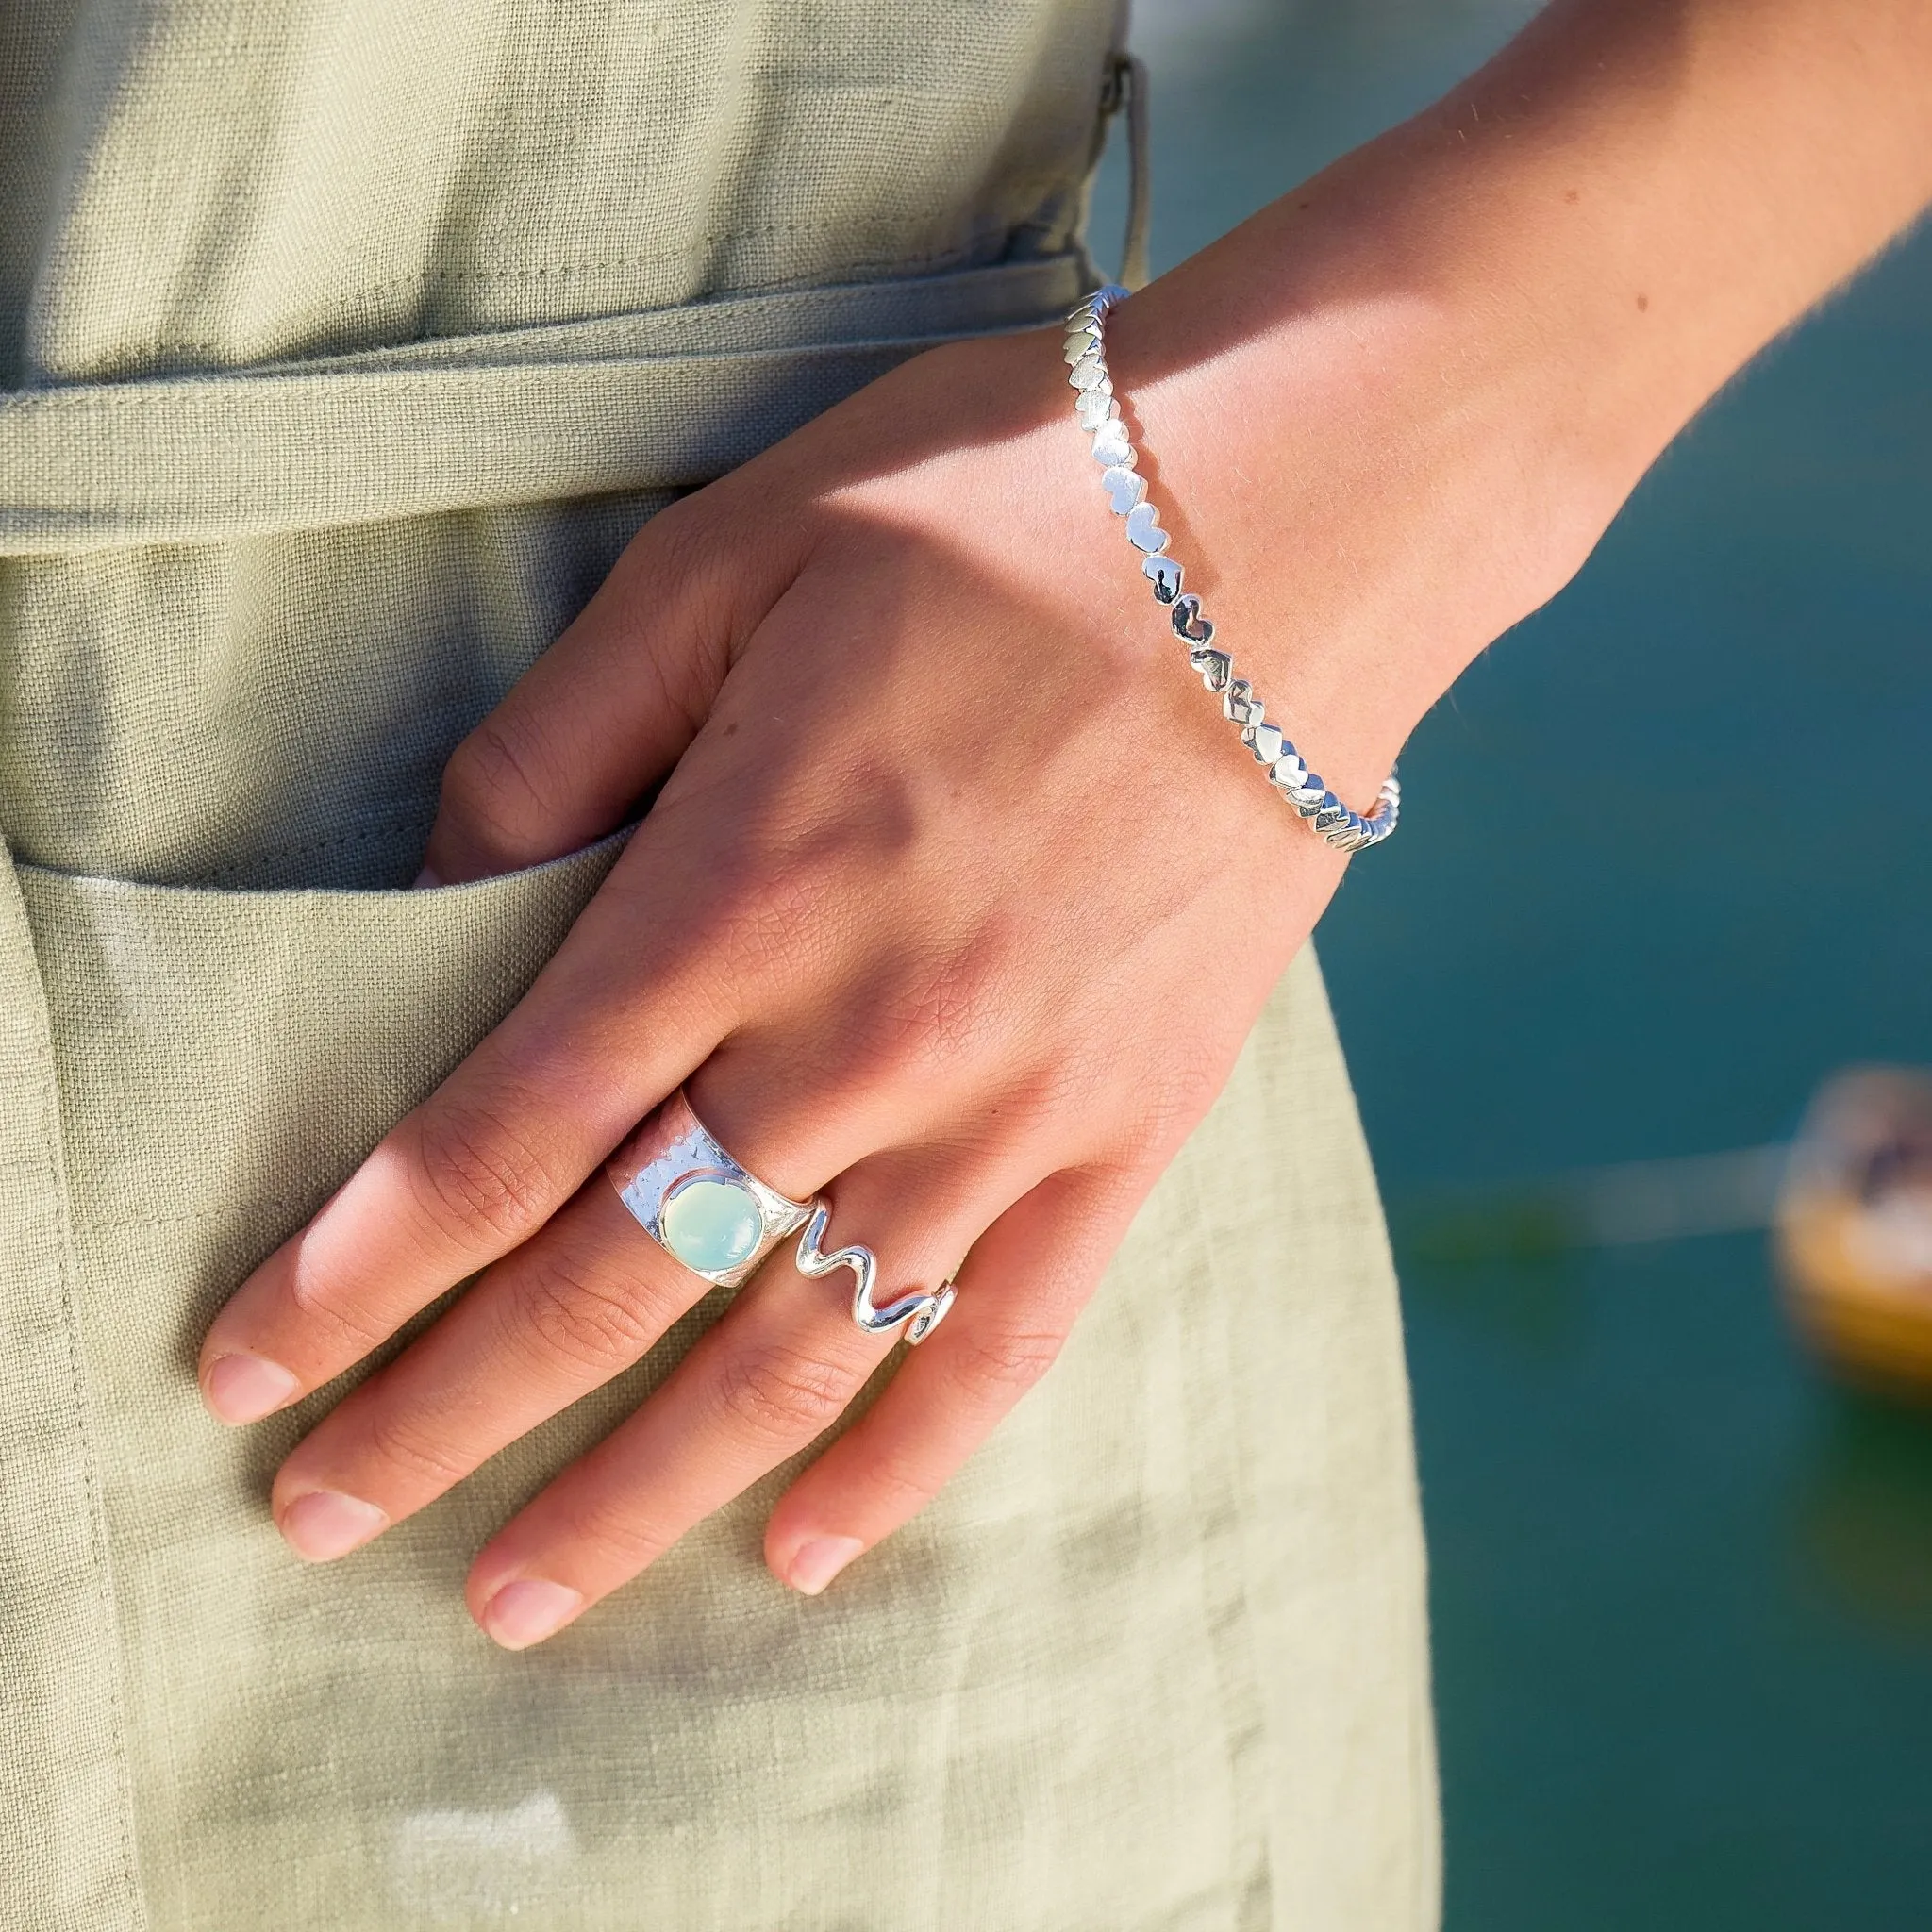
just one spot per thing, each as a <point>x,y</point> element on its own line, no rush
<point>1517,299</point>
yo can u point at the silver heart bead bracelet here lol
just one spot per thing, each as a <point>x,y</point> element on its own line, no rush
<point>1099,412</point>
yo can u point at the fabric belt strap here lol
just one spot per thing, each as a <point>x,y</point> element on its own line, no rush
<point>666,399</point>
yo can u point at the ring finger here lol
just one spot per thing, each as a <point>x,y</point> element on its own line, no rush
<point>778,1369</point>
<point>562,1315</point>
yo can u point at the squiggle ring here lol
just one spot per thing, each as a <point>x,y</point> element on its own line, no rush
<point>711,1214</point>
<point>923,1312</point>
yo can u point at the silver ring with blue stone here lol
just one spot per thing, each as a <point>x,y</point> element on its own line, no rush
<point>713,1215</point>
<point>700,1205</point>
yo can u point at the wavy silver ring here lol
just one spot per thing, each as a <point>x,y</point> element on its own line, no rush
<point>711,1214</point>
<point>920,1311</point>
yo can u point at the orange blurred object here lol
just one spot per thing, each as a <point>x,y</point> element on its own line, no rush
<point>1854,1224</point>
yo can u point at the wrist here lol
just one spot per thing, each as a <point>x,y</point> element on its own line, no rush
<point>1363,491</point>
<point>1392,413</point>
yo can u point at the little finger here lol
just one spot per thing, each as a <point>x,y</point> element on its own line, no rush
<point>1027,1279</point>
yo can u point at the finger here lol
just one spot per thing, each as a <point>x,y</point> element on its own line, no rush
<point>779,1367</point>
<point>577,1304</point>
<point>607,710</point>
<point>613,1023</point>
<point>1028,1278</point>
<point>555,1319</point>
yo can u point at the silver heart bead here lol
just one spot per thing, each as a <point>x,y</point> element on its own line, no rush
<point>1241,704</point>
<point>1164,573</point>
<point>1079,343</point>
<point>1288,770</point>
<point>1333,813</point>
<point>1145,531</point>
<point>1264,740</point>
<point>1089,372</point>
<point>1093,407</point>
<point>1186,619</point>
<point>1110,445</point>
<point>1124,489</point>
<point>1307,799</point>
<point>1214,666</point>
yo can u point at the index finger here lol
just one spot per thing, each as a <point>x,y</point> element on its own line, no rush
<point>606,1031</point>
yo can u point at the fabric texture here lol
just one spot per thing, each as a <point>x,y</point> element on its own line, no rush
<point>349,343</point>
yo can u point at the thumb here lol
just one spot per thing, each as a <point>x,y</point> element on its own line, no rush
<point>596,722</point>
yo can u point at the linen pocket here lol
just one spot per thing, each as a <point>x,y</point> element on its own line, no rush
<point>222,1062</point>
<point>224,1058</point>
<point>1178,1589</point>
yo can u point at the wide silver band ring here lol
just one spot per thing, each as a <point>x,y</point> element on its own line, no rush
<point>711,1214</point>
<point>704,1208</point>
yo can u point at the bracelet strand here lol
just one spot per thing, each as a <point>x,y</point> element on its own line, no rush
<point>1099,412</point>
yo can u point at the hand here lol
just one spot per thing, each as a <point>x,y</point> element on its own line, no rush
<point>959,897</point>
<point>957,905</point>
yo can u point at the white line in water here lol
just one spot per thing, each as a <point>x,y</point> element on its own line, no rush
<point>1666,1200</point>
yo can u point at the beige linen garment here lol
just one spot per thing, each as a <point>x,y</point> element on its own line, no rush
<point>346,342</point>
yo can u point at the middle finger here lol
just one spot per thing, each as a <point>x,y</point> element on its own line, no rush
<point>575,1305</point>
<point>776,1369</point>
<point>552,1320</point>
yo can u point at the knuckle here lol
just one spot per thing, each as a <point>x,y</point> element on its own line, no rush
<point>619,1537</point>
<point>1145,1122</point>
<point>321,1304</point>
<point>903,1483</point>
<point>1179,1101</point>
<point>406,1444</point>
<point>781,1394</point>
<point>768,927</point>
<point>995,1369</point>
<point>680,681</point>
<point>567,1312</point>
<point>1040,1098</point>
<point>494,782</point>
<point>952,1009</point>
<point>929,1025</point>
<point>475,1171</point>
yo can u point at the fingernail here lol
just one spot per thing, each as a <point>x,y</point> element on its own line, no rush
<point>325,1524</point>
<point>527,1611</point>
<point>815,1563</point>
<point>245,1388</point>
<point>427,880</point>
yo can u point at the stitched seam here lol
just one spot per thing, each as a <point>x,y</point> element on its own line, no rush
<point>701,240</point>
<point>892,266</point>
<point>52,1140</point>
<point>358,835</point>
<point>94,1225</point>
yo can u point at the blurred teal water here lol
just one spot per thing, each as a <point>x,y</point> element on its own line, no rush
<point>1682,1591</point>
